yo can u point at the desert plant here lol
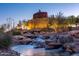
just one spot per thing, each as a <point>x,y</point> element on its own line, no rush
<point>16,33</point>
<point>5,40</point>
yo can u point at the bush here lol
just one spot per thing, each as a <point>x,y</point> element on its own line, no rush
<point>5,40</point>
<point>16,33</point>
<point>70,28</point>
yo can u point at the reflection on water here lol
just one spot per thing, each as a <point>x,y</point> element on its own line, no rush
<point>28,50</point>
<point>22,48</point>
<point>34,52</point>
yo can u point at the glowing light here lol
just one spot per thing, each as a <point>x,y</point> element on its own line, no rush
<point>72,25</point>
<point>28,28</point>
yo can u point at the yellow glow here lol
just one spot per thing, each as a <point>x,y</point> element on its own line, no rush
<point>18,27</point>
<point>72,25</point>
<point>28,28</point>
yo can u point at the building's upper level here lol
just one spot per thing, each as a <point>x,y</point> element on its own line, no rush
<point>40,15</point>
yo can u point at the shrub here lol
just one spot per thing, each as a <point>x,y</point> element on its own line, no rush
<point>5,40</point>
<point>16,33</point>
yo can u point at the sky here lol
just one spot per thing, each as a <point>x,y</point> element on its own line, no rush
<point>21,11</point>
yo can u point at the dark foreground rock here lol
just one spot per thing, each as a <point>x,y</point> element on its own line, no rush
<point>8,52</point>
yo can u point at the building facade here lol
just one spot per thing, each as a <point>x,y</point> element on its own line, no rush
<point>40,14</point>
<point>39,21</point>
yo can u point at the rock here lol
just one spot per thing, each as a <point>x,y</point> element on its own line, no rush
<point>76,54</point>
<point>8,52</point>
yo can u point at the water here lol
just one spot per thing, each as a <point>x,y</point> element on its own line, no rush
<point>21,48</point>
<point>28,50</point>
<point>31,50</point>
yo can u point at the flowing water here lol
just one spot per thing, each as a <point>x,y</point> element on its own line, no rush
<point>30,50</point>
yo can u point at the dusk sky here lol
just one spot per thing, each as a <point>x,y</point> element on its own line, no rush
<point>25,11</point>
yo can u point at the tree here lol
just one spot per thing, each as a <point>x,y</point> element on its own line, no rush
<point>51,19</point>
<point>57,21</point>
<point>71,20</point>
<point>77,20</point>
<point>53,23</point>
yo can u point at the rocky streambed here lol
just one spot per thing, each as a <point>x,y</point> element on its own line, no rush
<point>51,45</point>
<point>8,52</point>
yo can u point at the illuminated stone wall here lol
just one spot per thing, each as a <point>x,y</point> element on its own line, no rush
<point>38,23</point>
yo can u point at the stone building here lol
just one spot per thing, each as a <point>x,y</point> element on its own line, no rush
<point>40,14</point>
<point>39,21</point>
